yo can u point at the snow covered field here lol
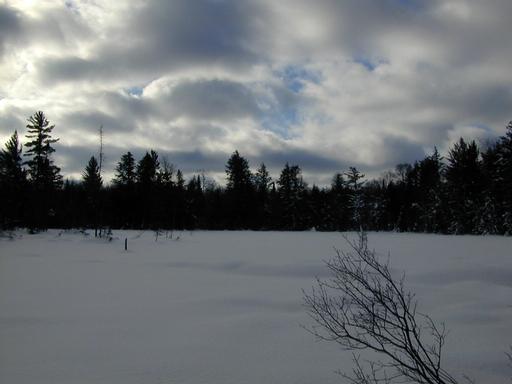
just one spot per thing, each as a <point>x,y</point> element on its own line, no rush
<point>226,307</point>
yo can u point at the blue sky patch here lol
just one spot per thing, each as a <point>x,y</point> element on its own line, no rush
<point>369,63</point>
<point>295,77</point>
<point>280,122</point>
<point>135,91</point>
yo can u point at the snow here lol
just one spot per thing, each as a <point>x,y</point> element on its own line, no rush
<point>226,307</point>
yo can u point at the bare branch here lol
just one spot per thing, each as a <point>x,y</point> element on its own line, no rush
<point>363,307</point>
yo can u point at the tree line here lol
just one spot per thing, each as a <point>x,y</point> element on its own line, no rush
<point>468,192</point>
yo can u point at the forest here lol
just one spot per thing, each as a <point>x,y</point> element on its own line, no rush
<point>467,192</point>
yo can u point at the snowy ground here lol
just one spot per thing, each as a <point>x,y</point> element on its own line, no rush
<point>226,307</point>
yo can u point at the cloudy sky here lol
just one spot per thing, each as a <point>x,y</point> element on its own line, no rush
<point>323,84</point>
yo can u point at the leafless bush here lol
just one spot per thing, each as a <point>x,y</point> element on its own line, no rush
<point>363,307</point>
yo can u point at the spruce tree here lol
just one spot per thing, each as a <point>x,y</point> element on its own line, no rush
<point>125,170</point>
<point>291,192</point>
<point>124,199</point>
<point>91,176</point>
<point>147,177</point>
<point>262,179</point>
<point>147,170</point>
<point>239,177</point>
<point>239,190</point>
<point>504,175</point>
<point>464,187</point>
<point>92,184</point>
<point>492,219</point>
<point>11,165</point>
<point>339,203</point>
<point>262,183</point>
<point>356,196</point>
<point>12,183</point>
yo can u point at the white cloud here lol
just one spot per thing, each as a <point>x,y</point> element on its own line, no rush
<point>358,82</point>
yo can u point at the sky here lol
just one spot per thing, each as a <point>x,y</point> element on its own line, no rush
<point>325,84</point>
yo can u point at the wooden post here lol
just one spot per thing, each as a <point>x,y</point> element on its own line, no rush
<point>125,243</point>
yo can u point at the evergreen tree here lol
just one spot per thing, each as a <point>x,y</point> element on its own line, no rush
<point>356,199</point>
<point>492,218</point>
<point>339,203</point>
<point>179,206</point>
<point>165,174</point>
<point>463,178</point>
<point>125,170</point>
<point>147,170</point>
<point>194,202</point>
<point>92,184</point>
<point>147,176</point>
<point>262,183</point>
<point>291,192</point>
<point>123,193</point>
<point>180,180</point>
<point>12,183</point>
<point>262,179</point>
<point>432,207</point>
<point>503,174</point>
<point>239,177</point>
<point>42,171</point>
<point>239,190</point>
<point>91,176</point>
<point>424,194</point>
<point>45,179</point>
<point>11,165</point>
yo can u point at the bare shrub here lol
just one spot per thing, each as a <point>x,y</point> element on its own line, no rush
<point>362,306</point>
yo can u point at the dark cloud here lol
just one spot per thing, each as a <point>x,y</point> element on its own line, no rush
<point>90,121</point>
<point>69,69</point>
<point>308,160</point>
<point>396,150</point>
<point>10,123</point>
<point>212,99</point>
<point>10,25</point>
<point>164,36</point>
<point>199,31</point>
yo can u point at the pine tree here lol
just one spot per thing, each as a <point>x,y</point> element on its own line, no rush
<point>12,182</point>
<point>45,178</point>
<point>42,171</point>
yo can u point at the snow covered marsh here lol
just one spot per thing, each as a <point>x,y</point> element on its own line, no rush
<point>226,307</point>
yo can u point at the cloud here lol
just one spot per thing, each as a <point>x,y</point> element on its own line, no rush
<point>208,100</point>
<point>323,84</point>
<point>9,25</point>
